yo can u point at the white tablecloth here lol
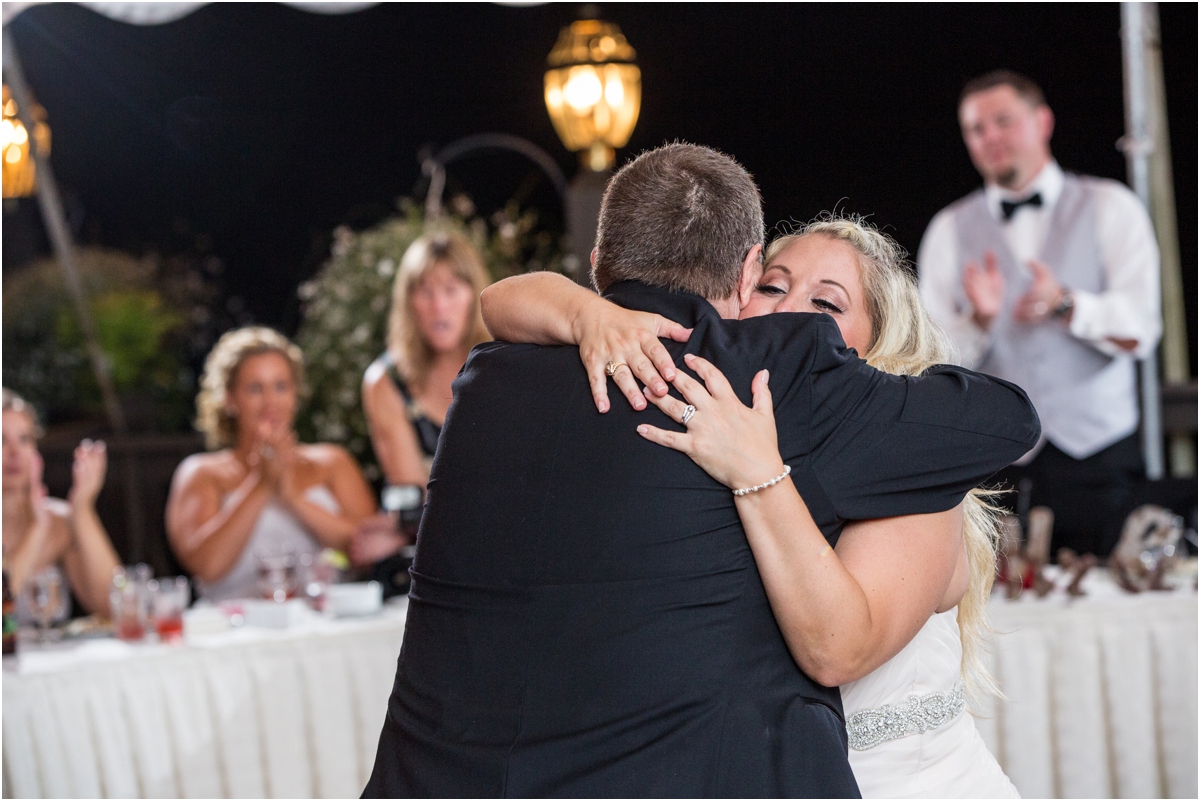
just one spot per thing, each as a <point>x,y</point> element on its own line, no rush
<point>1101,693</point>
<point>1101,702</point>
<point>250,713</point>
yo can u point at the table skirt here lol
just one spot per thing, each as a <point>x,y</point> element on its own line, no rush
<point>1101,695</point>
<point>1100,702</point>
<point>292,717</point>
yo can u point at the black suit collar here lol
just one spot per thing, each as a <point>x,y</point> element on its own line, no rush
<point>682,307</point>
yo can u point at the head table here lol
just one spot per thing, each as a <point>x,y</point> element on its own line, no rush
<point>252,712</point>
<point>1101,702</point>
<point>1101,692</point>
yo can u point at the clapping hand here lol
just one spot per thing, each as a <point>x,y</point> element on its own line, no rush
<point>629,340</point>
<point>88,472</point>
<point>375,540</point>
<point>984,287</point>
<point>273,454</point>
<point>1042,298</point>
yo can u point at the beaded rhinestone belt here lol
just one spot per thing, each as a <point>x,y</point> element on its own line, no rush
<point>918,713</point>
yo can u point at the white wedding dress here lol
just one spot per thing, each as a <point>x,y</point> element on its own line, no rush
<point>910,733</point>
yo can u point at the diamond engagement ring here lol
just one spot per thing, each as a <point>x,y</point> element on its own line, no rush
<point>688,411</point>
<point>611,368</point>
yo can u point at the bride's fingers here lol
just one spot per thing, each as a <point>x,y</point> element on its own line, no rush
<point>669,329</point>
<point>663,362</point>
<point>761,393</point>
<point>671,407</point>
<point>672,439</point>
<point>598,381</point>
<point>692,389</point>
<point>714,379</point>
<point>647,372</point>
<point>625,381</point>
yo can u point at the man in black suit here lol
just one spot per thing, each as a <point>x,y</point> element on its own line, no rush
<point>586,618</point>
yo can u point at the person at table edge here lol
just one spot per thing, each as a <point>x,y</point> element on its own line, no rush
<point>259,491</point>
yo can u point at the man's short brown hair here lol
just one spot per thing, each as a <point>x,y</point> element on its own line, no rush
<point>682,217</point>
<point>1025,87</point>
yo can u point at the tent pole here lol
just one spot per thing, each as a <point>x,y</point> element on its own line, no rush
<point>1137,144</point>
<point>1181,454</point>
<point>60,238</point>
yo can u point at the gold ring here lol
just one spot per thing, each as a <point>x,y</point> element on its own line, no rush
<point>611,368</point>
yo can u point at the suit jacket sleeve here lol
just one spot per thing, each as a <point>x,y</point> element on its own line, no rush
<point>891,445</point>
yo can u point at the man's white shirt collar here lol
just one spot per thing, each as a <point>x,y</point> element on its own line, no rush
<point>1048,183</point>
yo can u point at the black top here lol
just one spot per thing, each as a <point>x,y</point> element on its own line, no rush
<point>426,430</point>
<point>586,618</point>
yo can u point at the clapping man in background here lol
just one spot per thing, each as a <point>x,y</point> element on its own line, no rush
<point>1050,280</point>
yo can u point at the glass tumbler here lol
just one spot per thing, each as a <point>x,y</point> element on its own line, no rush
<point>169,598</point>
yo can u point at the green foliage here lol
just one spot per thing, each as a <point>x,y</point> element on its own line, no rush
<point>141,319</point>
<point>346,305</point>
<point>131,326</point>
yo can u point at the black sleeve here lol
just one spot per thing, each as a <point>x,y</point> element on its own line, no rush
<point>890,445</point>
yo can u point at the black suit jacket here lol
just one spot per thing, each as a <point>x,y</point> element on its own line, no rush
<point>586,618</point>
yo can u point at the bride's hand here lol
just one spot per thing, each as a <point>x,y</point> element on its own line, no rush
<point>733,443</point>
<point>629,338</point>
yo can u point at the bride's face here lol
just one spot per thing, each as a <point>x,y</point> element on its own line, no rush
<point>818,274</point>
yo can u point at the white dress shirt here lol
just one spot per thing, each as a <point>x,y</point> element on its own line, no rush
<point>1130,306</point>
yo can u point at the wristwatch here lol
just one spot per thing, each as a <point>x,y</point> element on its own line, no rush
<point>1065,305</point>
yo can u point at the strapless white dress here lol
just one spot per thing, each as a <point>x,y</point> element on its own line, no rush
<point>910,734</point>
<point>276,531</point>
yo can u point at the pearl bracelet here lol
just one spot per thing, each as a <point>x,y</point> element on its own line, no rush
<point>787,470</point>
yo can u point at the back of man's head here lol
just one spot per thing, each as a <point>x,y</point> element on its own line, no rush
<point>681,217</point>
<point>1025,87</point>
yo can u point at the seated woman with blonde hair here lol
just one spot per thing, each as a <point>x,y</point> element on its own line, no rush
<point>260,491</point>
<point>47,534</point>
<point>434,322</point>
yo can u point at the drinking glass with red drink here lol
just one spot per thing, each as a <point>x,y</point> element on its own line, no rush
<point>127,603</point>
<point>170,597</point>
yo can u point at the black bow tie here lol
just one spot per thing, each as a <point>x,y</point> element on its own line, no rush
<point>1009,207</point>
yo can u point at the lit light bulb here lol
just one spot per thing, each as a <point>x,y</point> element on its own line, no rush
<point>593,90</point>
<point>19,136</point>
<point>12,155</point>
<point>583,89</point>
<point>614,92</point>
<point>6,133</point>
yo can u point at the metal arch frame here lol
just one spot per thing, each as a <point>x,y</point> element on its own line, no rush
<point>435,166</point>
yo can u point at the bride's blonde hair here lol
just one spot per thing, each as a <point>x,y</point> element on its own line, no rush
<point>906,341</point>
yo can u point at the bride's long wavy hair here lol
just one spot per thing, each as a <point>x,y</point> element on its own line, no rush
<point>906,341</point>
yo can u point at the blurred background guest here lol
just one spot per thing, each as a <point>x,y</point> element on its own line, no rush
<point>1050,280</point>
<point>262,493</point>
<point>434,323</point>
<point>46,537</point>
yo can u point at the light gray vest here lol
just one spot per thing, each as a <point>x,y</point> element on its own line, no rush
<point>1086,399</point>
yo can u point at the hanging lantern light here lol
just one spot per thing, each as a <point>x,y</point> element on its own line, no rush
<point>19,171</point>
<point>593,90</point>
